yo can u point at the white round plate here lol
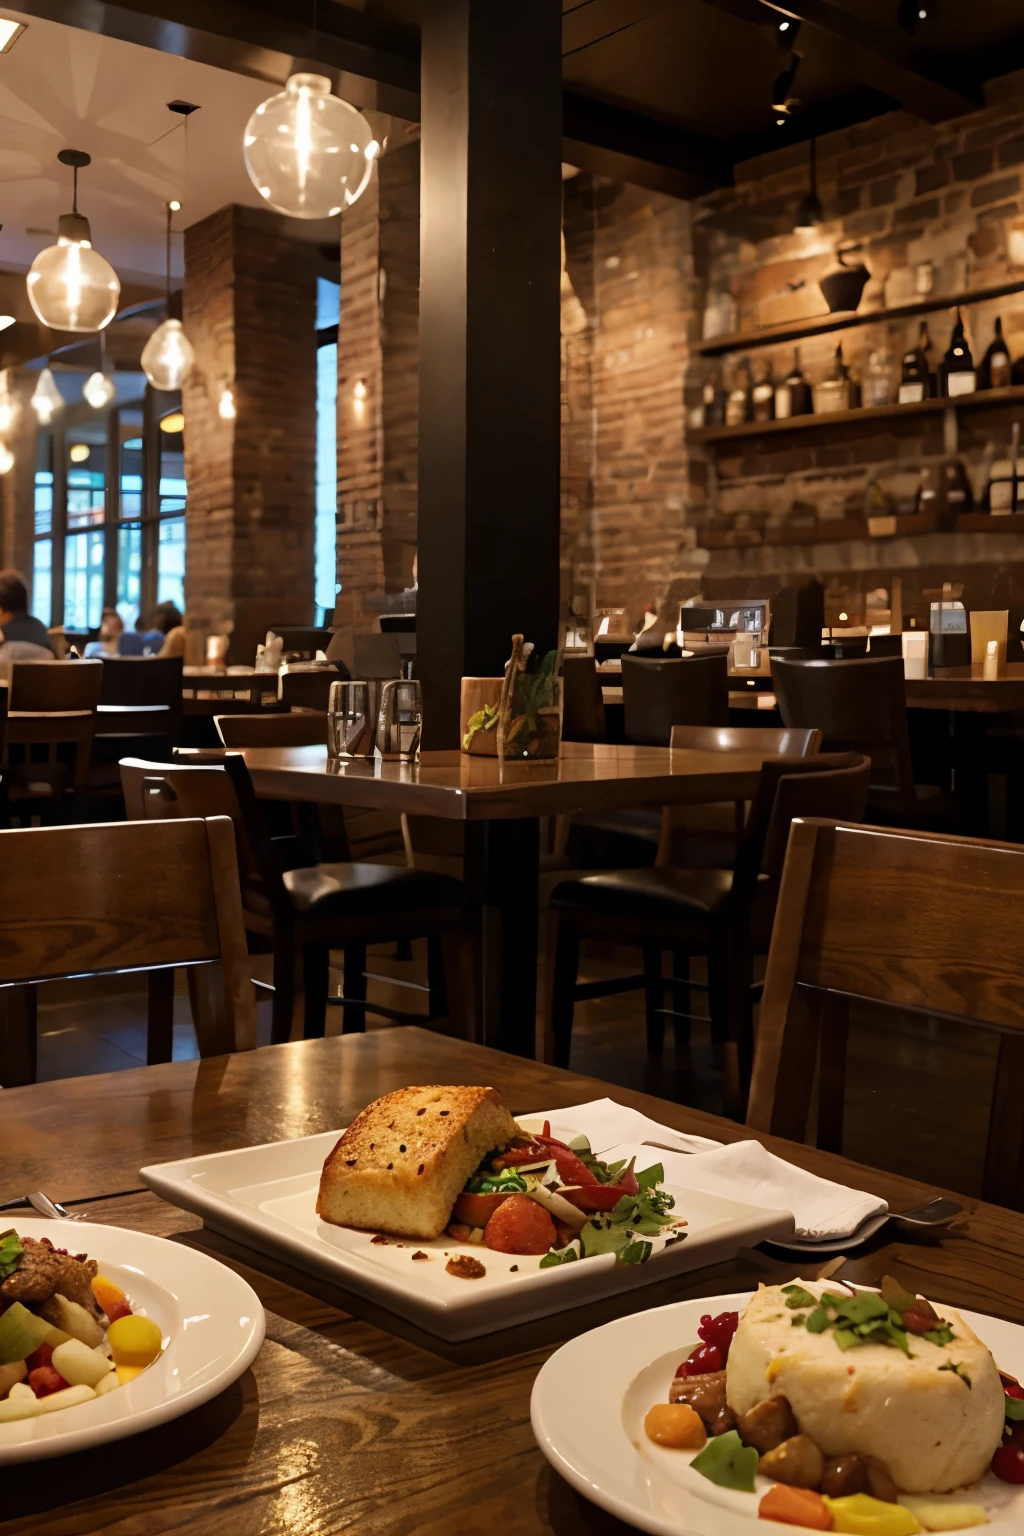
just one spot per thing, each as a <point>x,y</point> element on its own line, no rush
<point>588,1407</point>
<point>212,1324</point>
<point>825,1247</point>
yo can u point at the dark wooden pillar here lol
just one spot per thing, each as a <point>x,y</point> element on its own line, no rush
<point>490,213</point>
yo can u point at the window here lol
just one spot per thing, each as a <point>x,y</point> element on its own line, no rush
<point>328,311</point>
<point>171,496</point>
<point>42,560</point>
<point>85,479</point>
<point>129,531</point>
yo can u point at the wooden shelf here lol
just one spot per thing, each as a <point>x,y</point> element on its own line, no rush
<point>818,325</point>
<point>843,530</point>
<point>1013,394</point>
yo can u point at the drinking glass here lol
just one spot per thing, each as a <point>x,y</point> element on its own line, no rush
<point>352,710</point>
<point>400,721</point>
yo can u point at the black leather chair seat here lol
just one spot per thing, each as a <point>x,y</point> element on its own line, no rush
<point>671,892</point>
<point>344,890</point>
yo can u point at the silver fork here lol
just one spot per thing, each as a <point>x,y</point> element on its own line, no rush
<point>44,1206</point>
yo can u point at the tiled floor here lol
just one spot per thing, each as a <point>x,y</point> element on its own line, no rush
<point>918,1090</point>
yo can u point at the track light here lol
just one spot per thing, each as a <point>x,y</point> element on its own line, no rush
<point>910,12</point>
<point>787,32</point>
<point>783,99</point>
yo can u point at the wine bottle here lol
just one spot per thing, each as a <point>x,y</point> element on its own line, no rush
<point>738,405</point>
<point>834,392</point>
<point>914,377</point>
<point>762,397</point>
<point>958,373</point>
<point>793,396</point>
<point>994,372</point>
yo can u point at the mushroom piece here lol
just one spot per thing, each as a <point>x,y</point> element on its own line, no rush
<point>706,1396</point>
<point>844,1475</point>
<point>768,1425</point>
<point>797,1462</point>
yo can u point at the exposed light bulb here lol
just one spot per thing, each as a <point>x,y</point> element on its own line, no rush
<point>174,205</point>
<point>99,390</point>
<point>359,389</point>
<point>6,320</point>
<point>6,459</point>
<point>226,405</point>
<point>308,153</point>
<point>78,453</point>
<point>167,357</point>
<point>70,286</point>
<point>173,422</point>
<point>47,399</point>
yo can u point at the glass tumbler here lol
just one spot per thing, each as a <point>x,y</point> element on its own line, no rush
<point>400,721</point>
<point>352,709</point>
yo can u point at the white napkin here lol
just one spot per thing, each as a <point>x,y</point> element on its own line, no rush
<point>605,1124</point>
<point>747,1171</point>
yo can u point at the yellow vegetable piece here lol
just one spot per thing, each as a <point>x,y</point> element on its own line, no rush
<point>134,1340</point>
<point>861,1515</point>
<point>127,1373</point>
<point>675,1425</point>
<point>935,1515</point>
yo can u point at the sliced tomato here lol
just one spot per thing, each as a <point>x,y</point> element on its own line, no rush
<point>477,1210</point>
<point>595,1197</point>
<point>520,1226</point>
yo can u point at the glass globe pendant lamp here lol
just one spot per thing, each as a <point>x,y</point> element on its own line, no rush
<point>168,356</point>
<point>6,459</point>
<point>71,287</point>
<point>308,153</point>
<point>47,399</point>
<point>99,389</point>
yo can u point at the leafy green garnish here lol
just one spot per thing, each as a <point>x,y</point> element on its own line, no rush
<point>796,1296</point>
<point>1014,1409</point>
<point>863,1318</point>
<point>957,1370</point>
<point>651,1176</point>
<point>10,1252</point>
<point>559,1256</point>
<point>507,1181</point>
<point>941,1336</point>
<point>818,1321</point>
<point>636,1253</point>
<point>725,1460</point>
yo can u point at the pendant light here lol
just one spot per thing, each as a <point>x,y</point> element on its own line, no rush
<point>810,212</point>
<point>167,357</point>
<point>47,399</point>
<point>99,389</point>
<point>6,459</point>
<point>71,287</point>
<point>8,408</point>
<point>308,153</point>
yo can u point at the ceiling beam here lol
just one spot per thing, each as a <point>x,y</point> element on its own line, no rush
<point>888,61</point>
<point>594,20</point>
<point>375,68</point>
<point>613,141</point>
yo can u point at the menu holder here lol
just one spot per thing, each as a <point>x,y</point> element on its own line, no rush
<point>915,653</point>
<point>989,624</point>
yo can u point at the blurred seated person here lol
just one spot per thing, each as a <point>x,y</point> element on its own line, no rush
<point>109,642</point>
<point>174,642</point>
<point>15,620</point>
<point>143,640</point>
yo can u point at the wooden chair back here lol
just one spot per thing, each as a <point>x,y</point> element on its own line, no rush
<point>911,920</point>
<point>780,740</point>
<point>307,690</point>
<point>657,695</point>
<point>270,730</point>
<point>131,896</point>
<point>55,687</point>
<point>859,706</point>
<point>141,696</point>
<point>582,700</point>
<point>51,703</point>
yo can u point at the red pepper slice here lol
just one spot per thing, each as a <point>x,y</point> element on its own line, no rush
<point>595,1197</point>
<point>628,1181</point>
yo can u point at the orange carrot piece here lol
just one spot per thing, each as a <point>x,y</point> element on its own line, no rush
<point>795,1506</point>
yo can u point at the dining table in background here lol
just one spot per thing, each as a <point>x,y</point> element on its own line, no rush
<point>501,806</point>
<point>351,1418</point>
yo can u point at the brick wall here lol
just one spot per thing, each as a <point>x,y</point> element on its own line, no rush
<point>929,204</point>
<point>249,311</point>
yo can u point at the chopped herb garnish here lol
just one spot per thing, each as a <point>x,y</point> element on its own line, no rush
<point>818,1320</point>
<point>957,1370</point>
<point>1014,1409</point>
<point>636,1253</point>
<point>559,1256</point>
<point>10,1252</point>
<point>941,1336</point>
<point>797,1296</point>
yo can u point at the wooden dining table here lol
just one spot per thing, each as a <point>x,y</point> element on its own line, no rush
<point>500,806</point>
<point>352,1419</point>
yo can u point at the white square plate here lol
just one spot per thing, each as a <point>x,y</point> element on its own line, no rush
<point>265,1198</point>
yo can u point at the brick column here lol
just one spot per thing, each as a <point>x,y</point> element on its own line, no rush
<point>378,385</point>
<point>17,487</point>
<point>250,314</point>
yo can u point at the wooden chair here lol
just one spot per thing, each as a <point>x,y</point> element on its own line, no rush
<point>657,695</point>
<point>915,920</point>
<point>309,909</point>
<point>726,915</point>
<point>861,706</point>
<point>52,704</point>
<point>301,730</point>
<point>139,710</point>
<point>582,700</point>
<point>119,897</point>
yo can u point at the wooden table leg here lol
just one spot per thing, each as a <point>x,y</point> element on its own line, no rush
<point>502,865</point>
<point>17,1036</point>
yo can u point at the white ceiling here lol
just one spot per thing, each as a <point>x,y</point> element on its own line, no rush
<point>62,88</point>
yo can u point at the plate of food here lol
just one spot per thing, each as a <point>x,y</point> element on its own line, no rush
<point>812,1405</point>
<point>437,1204</point>
<point>106,1332</point>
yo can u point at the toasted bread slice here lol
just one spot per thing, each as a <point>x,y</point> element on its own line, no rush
<point>402,1162</point>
